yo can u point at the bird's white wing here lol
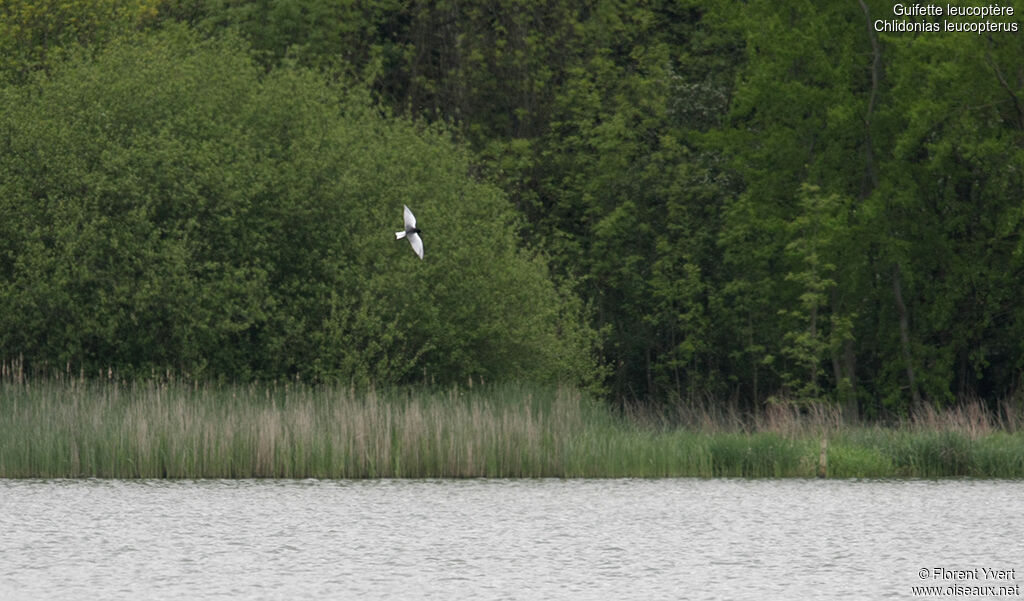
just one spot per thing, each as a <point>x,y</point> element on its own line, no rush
<point>417,244</point>
<point>410,221</point>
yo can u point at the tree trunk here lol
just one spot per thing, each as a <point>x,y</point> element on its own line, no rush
<point>843,365</point>
<point>850,408</point>
<point>871,184</point>
<point>901,308</point>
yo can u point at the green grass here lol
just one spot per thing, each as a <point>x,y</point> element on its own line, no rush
<point>55,428</point>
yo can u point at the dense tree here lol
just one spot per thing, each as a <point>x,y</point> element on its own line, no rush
<point>890,123</point>
<point>170,206</point>
<point>37,33</point>
<point>950,192</point>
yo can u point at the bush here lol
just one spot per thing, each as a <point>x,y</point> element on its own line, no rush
<point>169,205</point>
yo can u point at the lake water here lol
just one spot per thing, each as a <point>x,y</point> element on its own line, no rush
<point>508,539</point>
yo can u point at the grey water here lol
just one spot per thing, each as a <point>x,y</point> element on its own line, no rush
<point>508,539</point>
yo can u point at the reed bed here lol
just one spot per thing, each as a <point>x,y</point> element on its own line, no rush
<point>70,428</point>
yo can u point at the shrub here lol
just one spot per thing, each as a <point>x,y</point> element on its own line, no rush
<point>169,205</point>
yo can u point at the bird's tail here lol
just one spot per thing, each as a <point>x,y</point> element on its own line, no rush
<point>399,235</point>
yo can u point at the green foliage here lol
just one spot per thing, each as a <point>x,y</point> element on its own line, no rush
<point>35,34</point>
<point>757,201</point>
<point>907,268</point>
<point>814,234</point>
<point>952,206</point>
<point>172,207</point>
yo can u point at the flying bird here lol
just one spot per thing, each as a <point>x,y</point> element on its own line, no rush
<point>412,233</point>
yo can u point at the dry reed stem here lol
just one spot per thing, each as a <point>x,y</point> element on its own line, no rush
<point>970,419</point>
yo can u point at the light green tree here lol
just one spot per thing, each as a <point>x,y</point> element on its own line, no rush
<point>173,206</point>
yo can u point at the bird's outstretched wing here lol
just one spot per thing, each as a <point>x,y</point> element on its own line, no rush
<point>417,243</point>
<point>410,221</point>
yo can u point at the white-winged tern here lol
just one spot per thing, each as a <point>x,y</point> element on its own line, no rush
<point>411,232</point>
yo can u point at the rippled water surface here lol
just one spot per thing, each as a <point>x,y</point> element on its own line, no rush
<point>502,539</point>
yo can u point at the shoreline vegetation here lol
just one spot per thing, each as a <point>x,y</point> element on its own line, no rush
<point>77,428</point>
<point>660,200</point>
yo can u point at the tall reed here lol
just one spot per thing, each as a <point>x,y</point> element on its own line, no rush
<point>73,427</point>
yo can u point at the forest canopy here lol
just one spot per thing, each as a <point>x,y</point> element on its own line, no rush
<point>680,200</point>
